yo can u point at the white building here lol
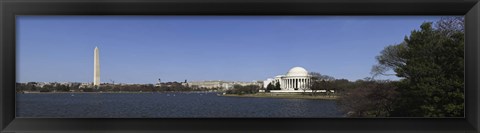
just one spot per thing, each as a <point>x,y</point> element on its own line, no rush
<point>220,84</point>
<point>297,79</point>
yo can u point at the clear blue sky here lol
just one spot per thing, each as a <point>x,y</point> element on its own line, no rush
<point>141,49</point>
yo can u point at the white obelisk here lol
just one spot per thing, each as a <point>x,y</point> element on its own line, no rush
<point>96,68</point>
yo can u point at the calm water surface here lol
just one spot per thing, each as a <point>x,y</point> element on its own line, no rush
<point>167,105</point>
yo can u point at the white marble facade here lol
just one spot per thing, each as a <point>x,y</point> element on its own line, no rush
<point>296,78</point>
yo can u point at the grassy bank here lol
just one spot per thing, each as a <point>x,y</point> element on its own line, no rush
<point>285,95</point>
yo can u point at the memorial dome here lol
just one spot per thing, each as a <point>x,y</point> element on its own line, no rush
<point>297,71</point>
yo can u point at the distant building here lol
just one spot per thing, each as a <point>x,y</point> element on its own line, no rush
<point>169,84</point>
<point>85,85</point>
<point>40,84</point>
<point>207,84</point>
<point>220,84</point>
<point>255,83</point>
<point>297,79</point>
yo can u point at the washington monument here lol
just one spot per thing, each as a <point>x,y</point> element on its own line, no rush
<point>96,68</point>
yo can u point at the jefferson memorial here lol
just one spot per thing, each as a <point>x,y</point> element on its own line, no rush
<point>297,79</point>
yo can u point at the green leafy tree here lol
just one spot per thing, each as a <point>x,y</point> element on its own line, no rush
<point>270,86</point>
<point>277,86</point>
<point>239,89</point>
<point>432,72</point>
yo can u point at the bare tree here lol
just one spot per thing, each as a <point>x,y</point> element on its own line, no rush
<point>319,76</point>
<point>371,99</point>
<point>389,59</point>
<point>450,25</point>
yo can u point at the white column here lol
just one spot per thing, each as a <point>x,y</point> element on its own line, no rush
<point>289,83</point>
<point>302,83</point>
<point>281,82</point>
<point>295,83</point>
<point>286,83</point>
<point>293,80</point>
<point>306,83</point>
<point>299,83</point>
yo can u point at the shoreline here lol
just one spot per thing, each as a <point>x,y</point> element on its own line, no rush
<point>284,96</point>
<point>257,95</point>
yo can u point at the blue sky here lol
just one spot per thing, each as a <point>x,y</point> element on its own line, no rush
<point>141,49</point>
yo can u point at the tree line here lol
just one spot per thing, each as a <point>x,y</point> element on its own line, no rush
<point>20,87</point>
<point>247,89</point>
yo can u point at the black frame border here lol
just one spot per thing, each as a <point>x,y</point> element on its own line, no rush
<point>10,8</point>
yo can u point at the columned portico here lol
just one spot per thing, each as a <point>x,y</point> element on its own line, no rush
<point>296,78</point>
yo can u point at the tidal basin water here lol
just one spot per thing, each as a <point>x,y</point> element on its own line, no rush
<point>168,105</point>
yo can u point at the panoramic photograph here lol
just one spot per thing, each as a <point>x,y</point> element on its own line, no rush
<point>239,66</point>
